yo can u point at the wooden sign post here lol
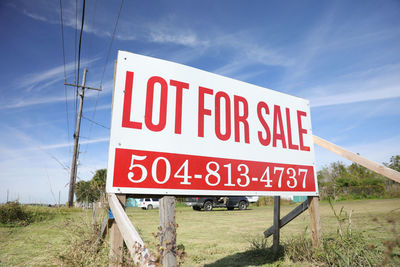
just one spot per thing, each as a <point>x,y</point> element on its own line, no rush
<point>277,216</point>
<point>116,239</point>
<point>315,221</point>
<point>168,231</point>
<point>312,203</point>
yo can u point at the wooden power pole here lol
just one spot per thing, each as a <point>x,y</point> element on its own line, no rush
<point>76,137</point>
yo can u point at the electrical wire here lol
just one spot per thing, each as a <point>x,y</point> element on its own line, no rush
<point>98,92</point>
<point>80,40</point>
<point>112,40</point>
<point>76,82</point>
<point>65,73</point>
<point>104,70</point>
<point>94,122</point>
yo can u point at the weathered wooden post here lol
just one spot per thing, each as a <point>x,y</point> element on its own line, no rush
<point>315,221</point>
<point>116,240</point>
<point>168,231</point>
<point>277,215</point>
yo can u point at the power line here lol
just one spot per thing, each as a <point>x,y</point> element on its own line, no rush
<point>97,96</point>
<point>75,82</point>
<point>80,39</point>
<point>105,66</point>
<point>112,39</point>
<point>62,37</point>
<point>65,73</point>
<point>94,122</point>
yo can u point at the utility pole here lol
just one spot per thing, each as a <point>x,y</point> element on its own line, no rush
<point>76,137</point>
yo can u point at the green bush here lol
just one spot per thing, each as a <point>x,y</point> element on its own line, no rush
<point>348,249</point>
<point>14,213</point>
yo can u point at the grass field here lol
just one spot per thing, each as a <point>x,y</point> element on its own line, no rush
<point>216,238</point>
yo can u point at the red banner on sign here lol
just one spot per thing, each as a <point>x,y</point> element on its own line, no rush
<point>149,169</point>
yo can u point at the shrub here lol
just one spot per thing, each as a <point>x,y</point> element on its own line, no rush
<point>348,249</point>
<point>81,247</point>
<point>14,213</point>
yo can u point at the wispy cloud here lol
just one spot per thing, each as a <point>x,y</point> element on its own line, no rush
<point>305,53</point>
<point>370,84</point>
<point>34,84</point>
<point>355,97</point>
<point>27,102</point>
<point>32,101</point>
<point>52,74</point>
<point>84,142</point>
<point>244,52</point>
<point>34,16</point>
<point>158,35</point>
<point>167,30</point>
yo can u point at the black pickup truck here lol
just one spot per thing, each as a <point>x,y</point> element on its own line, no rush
<point>208,203</point>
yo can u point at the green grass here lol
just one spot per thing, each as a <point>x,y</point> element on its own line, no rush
<point>210,237</point>
<point>216,238</point>
<point>40,243</point>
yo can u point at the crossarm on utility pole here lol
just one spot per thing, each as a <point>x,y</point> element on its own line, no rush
<point>83,86</point>
<point>369,164</point>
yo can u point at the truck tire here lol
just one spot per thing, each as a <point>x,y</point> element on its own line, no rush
<point>242,205</point>
<point>208,206</point>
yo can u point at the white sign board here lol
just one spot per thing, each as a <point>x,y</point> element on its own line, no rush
<point>177,130</point>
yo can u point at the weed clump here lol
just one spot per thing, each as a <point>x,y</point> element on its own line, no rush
<point>13,213</point>
<point>346,247</point>
<point>347,250</point>
<point>80,245</point>
<point>343,247</point>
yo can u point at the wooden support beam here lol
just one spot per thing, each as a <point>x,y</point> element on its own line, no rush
<point>277,214</point>
<point>288,218</point>
<point>168,231</point>
<point>116,239</point>
<point>373,166</point>
<point>315,221</point>
<point>133,241</point>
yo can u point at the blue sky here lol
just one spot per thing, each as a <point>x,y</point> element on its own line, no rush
<point>344,56</point>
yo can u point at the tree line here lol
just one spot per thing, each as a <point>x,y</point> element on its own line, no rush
<point>339,181</point>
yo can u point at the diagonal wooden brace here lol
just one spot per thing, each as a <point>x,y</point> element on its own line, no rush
<point>139,253</point>
<point>288,218</point>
